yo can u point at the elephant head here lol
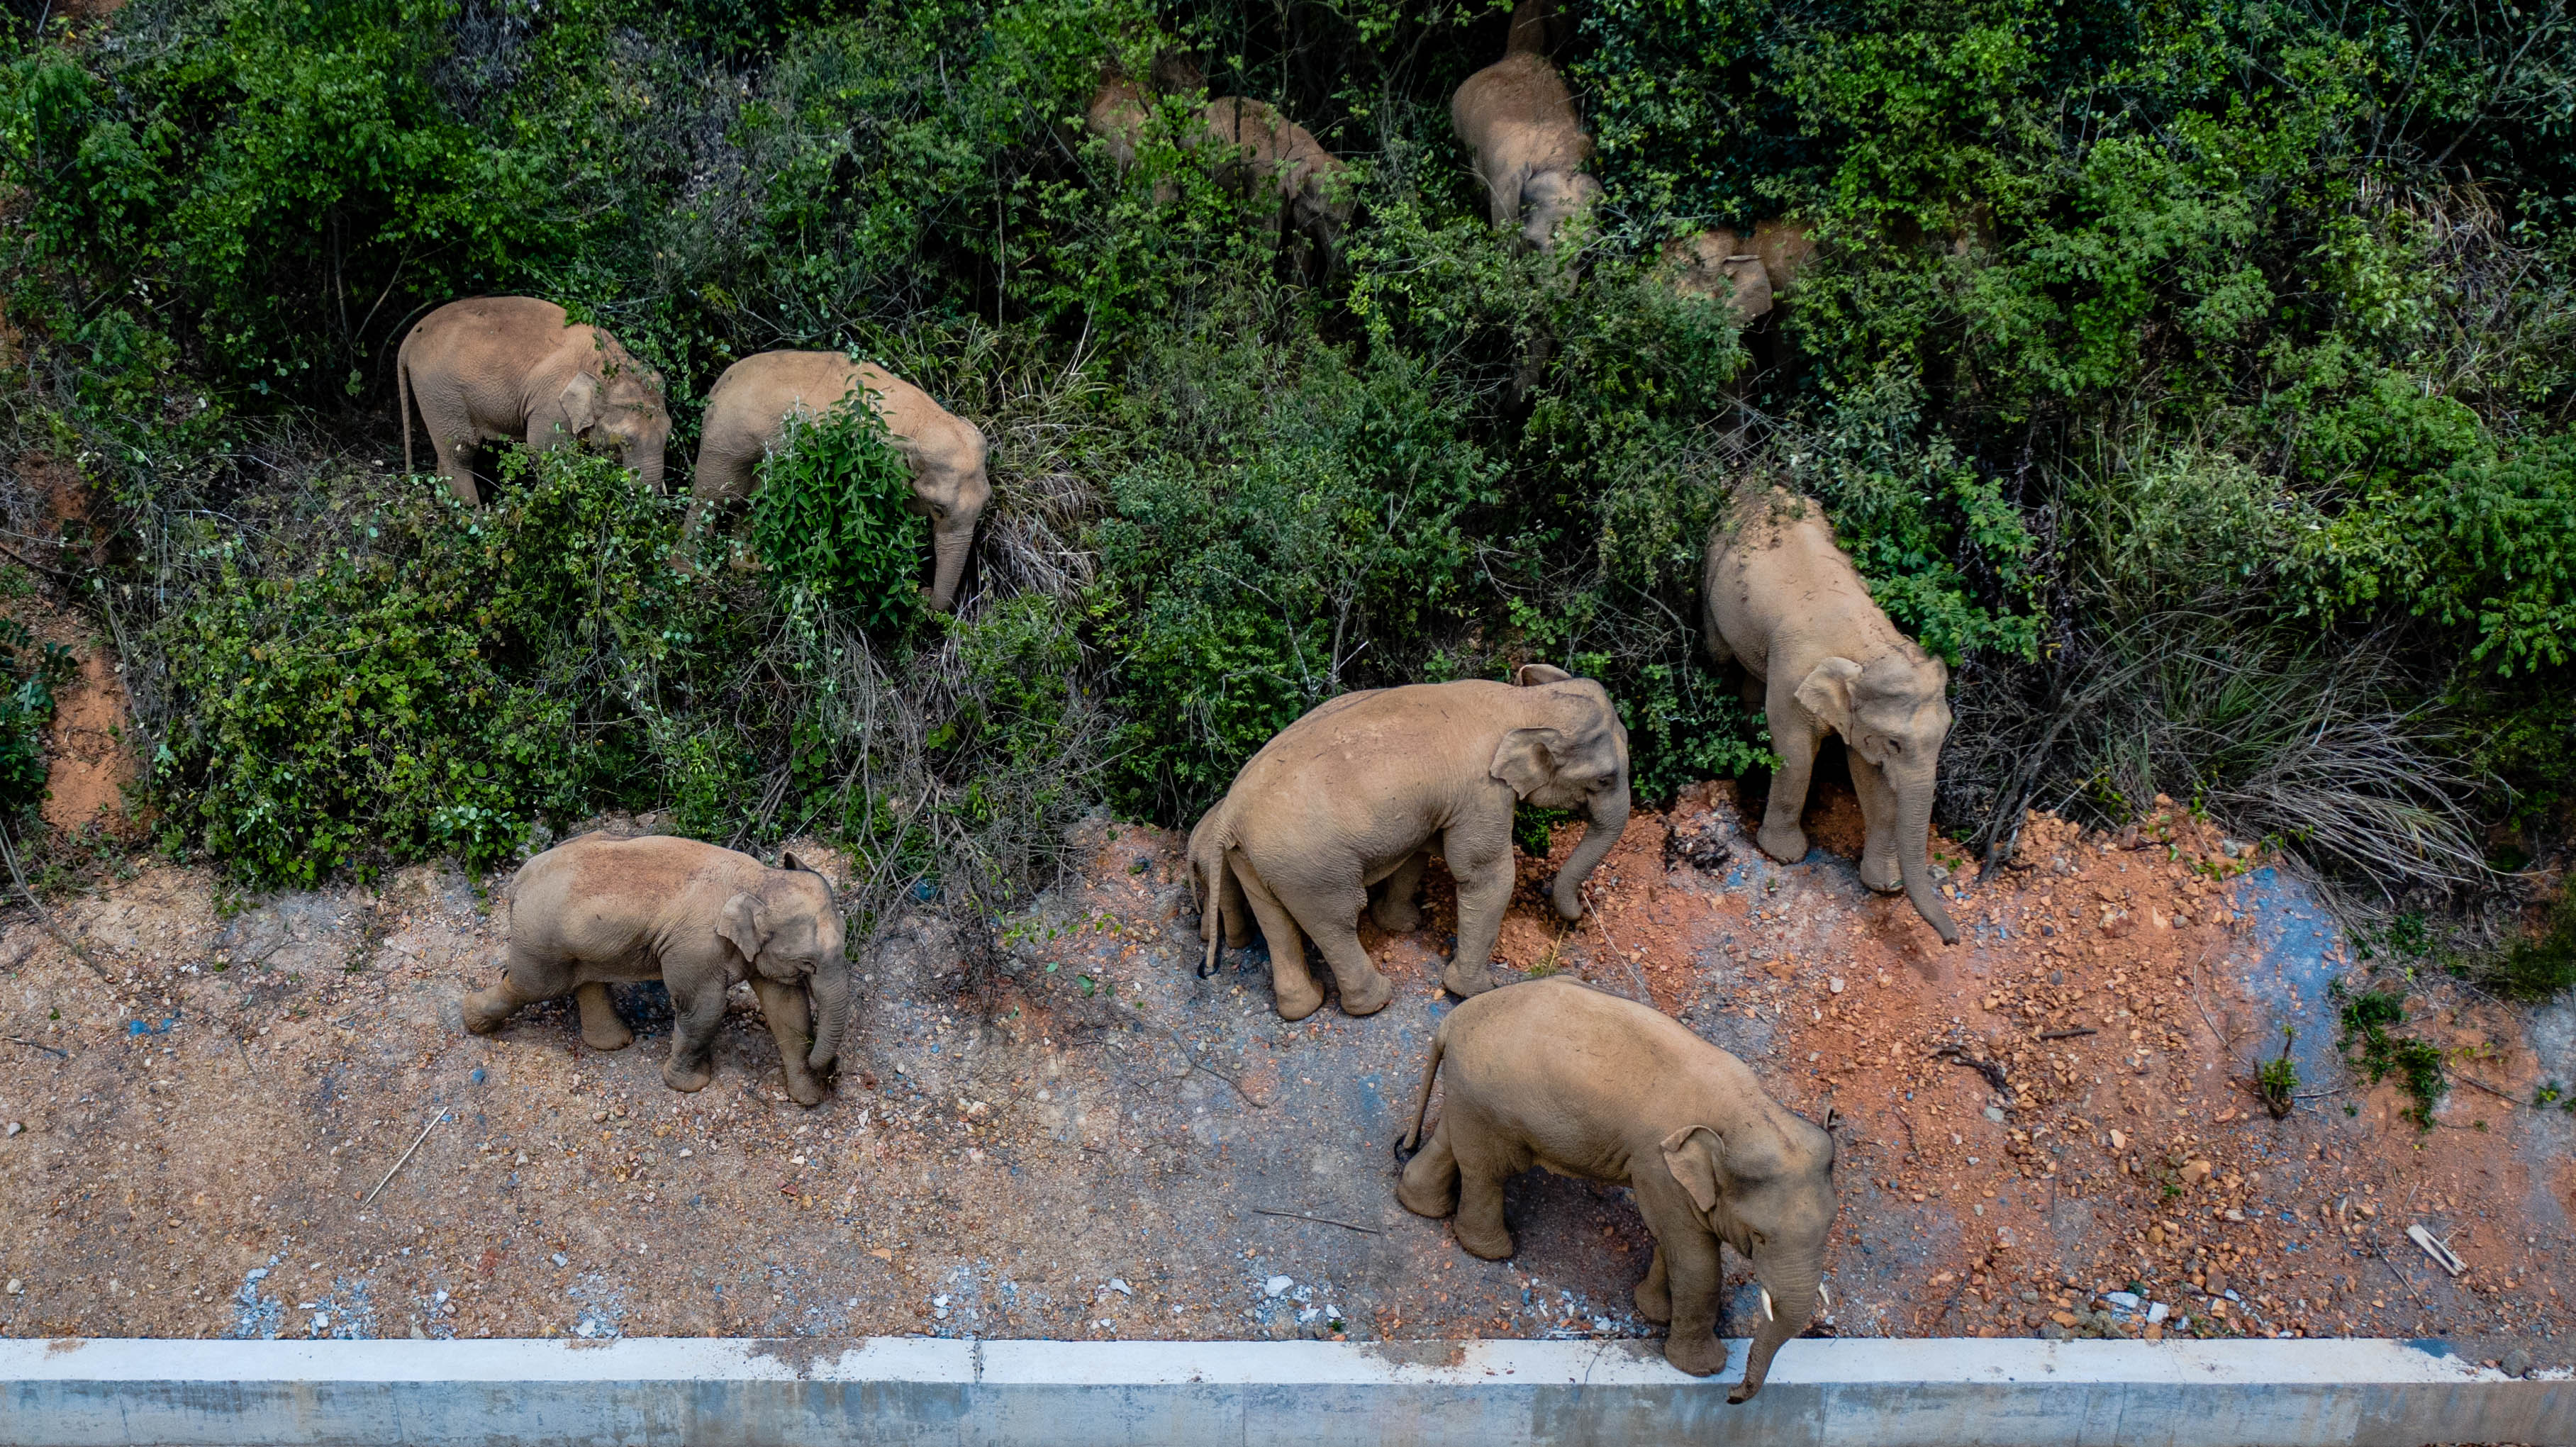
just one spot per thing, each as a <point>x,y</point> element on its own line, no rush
<point>1895,713</point>
<point>1569,752</point>
<point>789,930</point>
<point>1550,199</point>
<point>618,405</point>
<point>1764,1183</point>
<point>950,487</point>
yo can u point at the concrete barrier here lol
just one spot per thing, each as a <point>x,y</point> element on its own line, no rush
<point>1872,1393</point>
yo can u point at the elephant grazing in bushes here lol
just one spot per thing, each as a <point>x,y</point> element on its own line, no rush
<point>1554,1073</point>
<point>698,918</point>
<point>1350,798</point>
<point>1784,600</point>
<point>1530,150</point>
<point>505,368</point>
<point>747,415</point>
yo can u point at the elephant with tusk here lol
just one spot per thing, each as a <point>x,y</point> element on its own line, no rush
<point>747,415</point>
<point>698,918</point>
<point>1349,799</point>
<point>1554,1073</point>
<point>1783,599</point>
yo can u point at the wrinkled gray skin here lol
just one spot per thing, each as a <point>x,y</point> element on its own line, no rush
<point>747,416</point>
<point>1530,150</point>
<point>1556,1074</point>
<point>1781,598</point>
<point>698,918</point>
<point>511,368</point>
<point>1350,798</point>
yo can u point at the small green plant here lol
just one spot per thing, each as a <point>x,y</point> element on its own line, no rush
<point>833,514</point>
<point>2367,1017</point>
<point>30,672</point>
<point>2535,969</point>
<point>2278,1081</point>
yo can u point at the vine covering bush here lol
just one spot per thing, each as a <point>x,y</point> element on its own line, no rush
<point>2196,378</point>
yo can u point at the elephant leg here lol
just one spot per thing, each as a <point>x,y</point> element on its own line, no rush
<point>1479,1226</point>
<point>452,440</point>
<point>1485,873</point>
<point>1395,909</point>
<point>1654,1295</point>
<point>1878,818</point>
<point>1795,742</point>
<point>791,1024</point>
<point>697,1017</point>
<point>1693,1279</point>
<point>600,1027</point>
<point>1429,1185</point>
<point>1292,988</point>
<point>1233,913</point>
<point>1332,922</point>
<point>523,982</point>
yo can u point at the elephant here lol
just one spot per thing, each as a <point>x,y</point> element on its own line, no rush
<point>1781,598</point>
<point>1720,265</point>
<point>698,918</point>
<point>747,415</point>
<point>1117,114</point>
<point>1267,148</point>
<point>1530,151</point>
<point>498,368</point>
<point>1557,1074</point>
<point>1350,797</point>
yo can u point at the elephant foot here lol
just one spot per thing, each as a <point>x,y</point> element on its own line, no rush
<point>1298,1000</point>
<point>608,1034</point>
<point>1786,843</point>
<point>1426,1197</point>
<point>1396,918</point>
<point>805,1090</point>
<point>1460,980</point>
<point>1368,997</point>
<point>484,1010</point>
<point>687,1079</point>
<point>1880,873</point>
<point>1699,1353</point>
<point>1494,1245</point>
<point>1654,1301</point>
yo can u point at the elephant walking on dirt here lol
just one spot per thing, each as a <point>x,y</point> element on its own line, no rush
<point>1350,798</point>
<point>747,416</point>
<point>1783,599</point>
<point>515,369</point>
<point>698,918</point>
<point>1554,1073</point>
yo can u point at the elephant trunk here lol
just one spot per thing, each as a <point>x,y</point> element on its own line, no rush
<point>1608,819</point>
<point>1791,1301</point>
<point>1913,857</point>
<point>830,988</point>
<point>648,466</point>
<point>949,545</point>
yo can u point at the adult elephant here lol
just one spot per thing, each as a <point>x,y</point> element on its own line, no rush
<point>514,368</point>
<point>1783,599</point>
<point>1350,798</point>
<point>747,415</point>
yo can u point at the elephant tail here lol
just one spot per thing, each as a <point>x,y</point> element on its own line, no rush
<point>1209,874</point>
<point>402,398</point>
<point>1422,1102</point>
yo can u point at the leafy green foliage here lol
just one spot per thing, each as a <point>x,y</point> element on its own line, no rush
<point>32,672</point>
<point>2367,1017</point>
<point>833,513</point>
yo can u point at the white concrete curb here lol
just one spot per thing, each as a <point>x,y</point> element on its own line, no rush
<point>1867,1392</point>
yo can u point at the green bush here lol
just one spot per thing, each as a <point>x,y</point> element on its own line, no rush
<point>833,513</point>
<point>32,671</point>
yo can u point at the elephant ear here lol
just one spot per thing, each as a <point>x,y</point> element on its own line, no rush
<point>788,860</point>
<point>1526,759</point>
<point>580,403</point>
<point>1827,693</point>
<point>745,924</point>
<point>1531,675</point>
<point>1695,1155</point>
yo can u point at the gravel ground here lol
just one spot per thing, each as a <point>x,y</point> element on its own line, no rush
<point>1070,1135</point>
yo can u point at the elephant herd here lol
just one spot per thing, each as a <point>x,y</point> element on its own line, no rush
<point>1340,813</point>
<point>514,368</point>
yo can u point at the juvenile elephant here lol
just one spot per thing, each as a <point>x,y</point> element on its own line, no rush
<point>1530,151</point>
<point>505,368</point>
<point>698,918</point>
<point>1268,149</point>
<point>1553,1073</point>
<point>747,415</point>
<point>1781,598</point>
<point>1350,797</point>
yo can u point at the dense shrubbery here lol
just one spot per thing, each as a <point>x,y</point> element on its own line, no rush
<point>2196,378</point>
